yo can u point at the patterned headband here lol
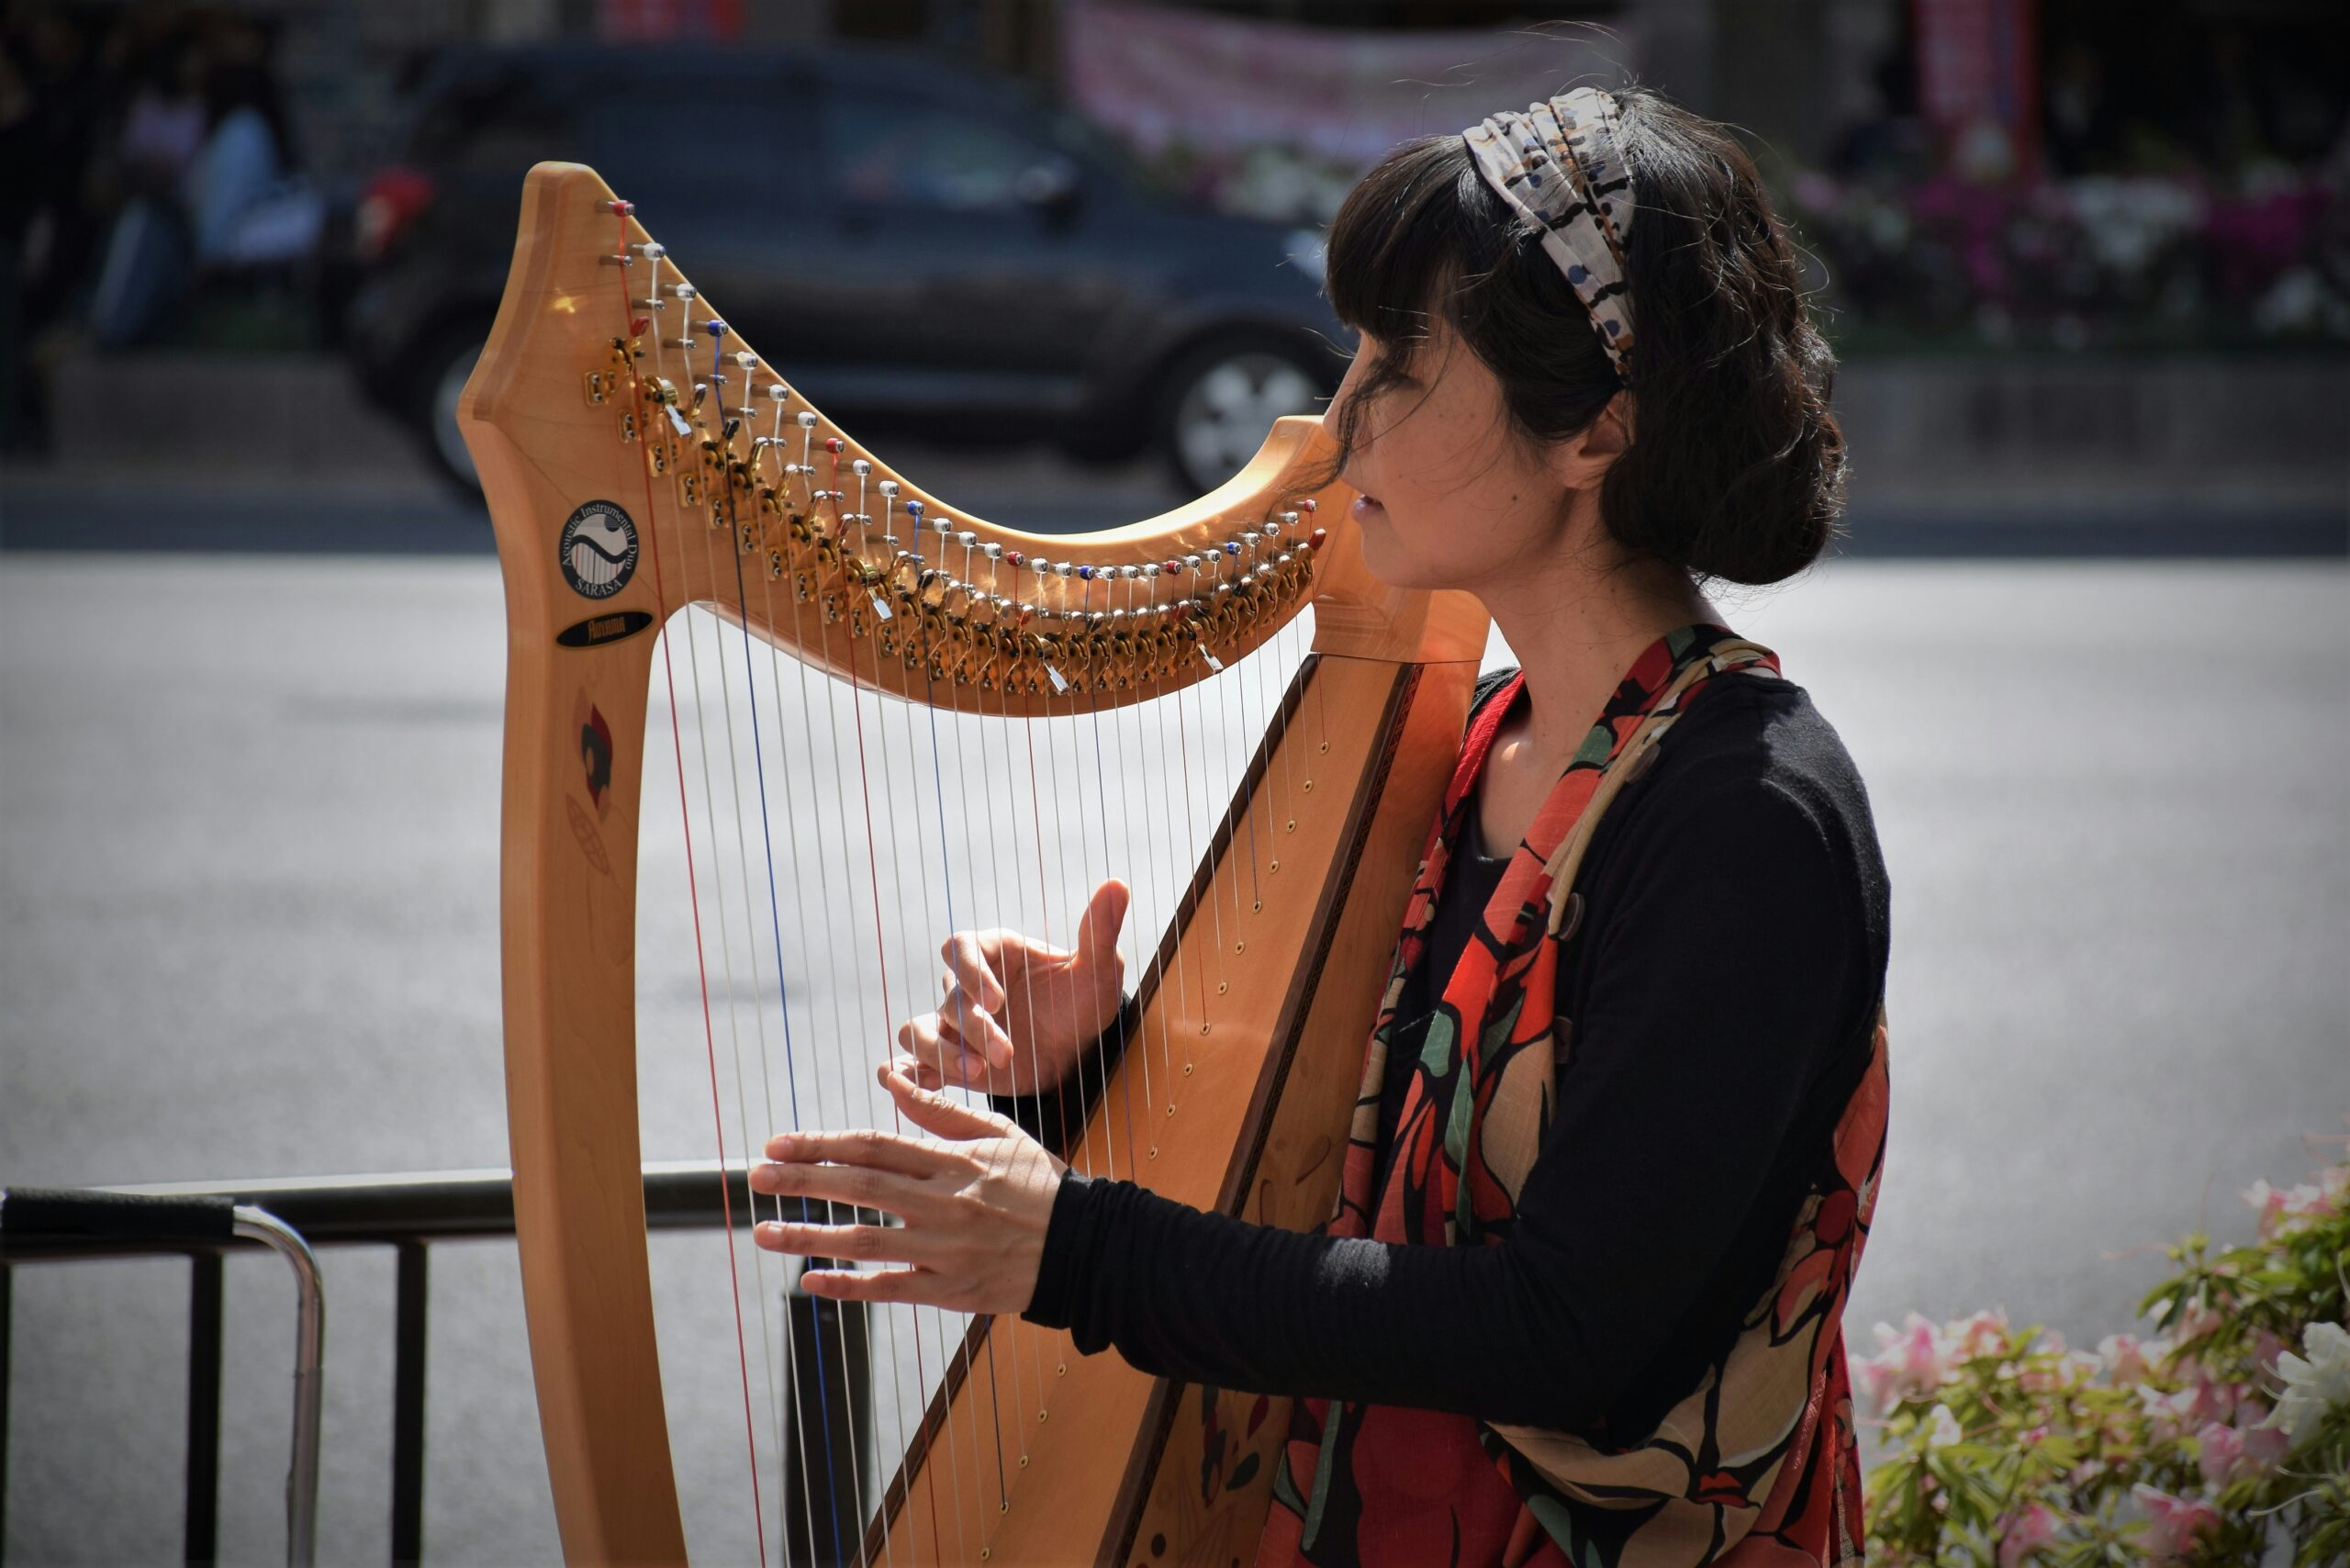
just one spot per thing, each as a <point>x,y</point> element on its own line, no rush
<point>1560,165</point>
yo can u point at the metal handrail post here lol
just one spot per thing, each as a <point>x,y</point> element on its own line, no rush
<point>310,1349</point>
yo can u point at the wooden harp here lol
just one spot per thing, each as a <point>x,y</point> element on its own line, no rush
<point>646,478</point>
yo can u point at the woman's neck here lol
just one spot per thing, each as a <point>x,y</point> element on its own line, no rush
<point>1574,635</point>
<point>1575,632</point>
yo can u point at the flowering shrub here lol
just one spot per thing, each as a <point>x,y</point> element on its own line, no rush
<point>2093,261</point>
<point>2198,1445</point>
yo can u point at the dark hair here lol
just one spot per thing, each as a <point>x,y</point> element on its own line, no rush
<point>1736,468</point>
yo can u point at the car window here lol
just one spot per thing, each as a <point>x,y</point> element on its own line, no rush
<point>690,137</point>
<point>491,122</point>
<point>885,151</point>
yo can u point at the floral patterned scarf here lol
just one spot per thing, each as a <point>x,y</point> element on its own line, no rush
<point>1758,1466</point>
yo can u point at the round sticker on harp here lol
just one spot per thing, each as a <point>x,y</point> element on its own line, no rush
<point>598,550</point>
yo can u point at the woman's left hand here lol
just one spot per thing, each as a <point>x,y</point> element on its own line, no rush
<point>975,1205</point>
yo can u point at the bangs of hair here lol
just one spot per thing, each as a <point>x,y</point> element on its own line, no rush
<point>1399,245</point>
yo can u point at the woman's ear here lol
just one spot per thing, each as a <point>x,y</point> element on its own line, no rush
<point>1579,463</point>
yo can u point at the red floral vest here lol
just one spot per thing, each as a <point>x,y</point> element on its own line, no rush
<point>1758,1466</point>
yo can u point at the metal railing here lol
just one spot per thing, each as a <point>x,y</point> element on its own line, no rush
<point>407,1213</point>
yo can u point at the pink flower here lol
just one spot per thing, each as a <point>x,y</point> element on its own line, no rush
<point>2125,1358</point>
<point>2283,1210</point>
<point>2309,1201</point>
<point>1876,1381</point>
<point>2195,1322</point>
<point>2168,1413</point>
<point>2268,1203</point>
<point>2220,1451</point>
<point>1984,1334</point>
<point>1913,1354</point>
<point>2266,1348</point>
<point>2025,1532</point>
<point>2172,1523</point>
<point>2264,1447</point>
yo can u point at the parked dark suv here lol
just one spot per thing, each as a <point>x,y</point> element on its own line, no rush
<point>918,243</point>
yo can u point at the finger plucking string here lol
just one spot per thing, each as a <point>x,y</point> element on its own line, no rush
<point>873,1149</point>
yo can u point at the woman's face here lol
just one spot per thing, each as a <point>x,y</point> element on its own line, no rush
<point>1451,497</point>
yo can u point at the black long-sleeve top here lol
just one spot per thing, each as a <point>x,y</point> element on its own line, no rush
<point>1722,987</point>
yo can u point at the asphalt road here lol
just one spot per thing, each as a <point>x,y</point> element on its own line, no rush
<point>248,925</point>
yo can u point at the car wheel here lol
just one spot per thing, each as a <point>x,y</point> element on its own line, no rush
<point>440,375</point>
<point>1221,402</point>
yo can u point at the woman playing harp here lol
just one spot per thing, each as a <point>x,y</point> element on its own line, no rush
<point>1622,1115</point>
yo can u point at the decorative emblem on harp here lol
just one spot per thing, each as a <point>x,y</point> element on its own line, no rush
<point>640,460</point>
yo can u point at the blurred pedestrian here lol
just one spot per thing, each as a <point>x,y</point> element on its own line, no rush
<point>238,206</point>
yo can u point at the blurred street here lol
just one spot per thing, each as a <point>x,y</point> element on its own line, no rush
<point>248,926</point>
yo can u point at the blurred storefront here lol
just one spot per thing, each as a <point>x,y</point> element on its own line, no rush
<point>1967,177</point>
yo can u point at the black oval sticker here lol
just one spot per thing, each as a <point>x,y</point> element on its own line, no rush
<point>600,629</point>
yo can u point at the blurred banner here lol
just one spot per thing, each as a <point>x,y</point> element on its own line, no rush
<point>1977,83</point>
<point>1215,94</point>
<point>654,20</point>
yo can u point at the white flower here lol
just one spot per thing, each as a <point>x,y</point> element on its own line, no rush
<point>2315,1385</point>
<point>1945,1430</point>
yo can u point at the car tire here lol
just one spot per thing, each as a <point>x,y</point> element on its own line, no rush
<point>1220,400</point>
<point>439,376</point>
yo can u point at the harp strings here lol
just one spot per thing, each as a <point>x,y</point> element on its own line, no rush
<point>750,1432</point>
<point>1121,794</point>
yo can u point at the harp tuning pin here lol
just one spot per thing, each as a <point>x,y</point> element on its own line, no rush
<point>943,524</point>
<point>993,552</point>
<point>1232,547</point>
<point>807,420</point>
<point>914,509</point>
<point>967,539</point>
<point>715,327</point>
<point>1085,574</point>
<point>1193,562</point>
<point>681,291</point>
<point>1015,558</point>
<point>620,208</point>
<point>744,360</point>
<point>1171,566</point>
<point>778,392</point>
<point>1063,568</point>
<point>651,250</point>
<point>1316,540</point>
<point>860,467</point>
<point>836,445</point>
<point>1309,506</point>
<point>887,487</point>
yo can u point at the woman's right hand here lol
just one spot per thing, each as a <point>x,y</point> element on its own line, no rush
<point>1015,1012</point>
